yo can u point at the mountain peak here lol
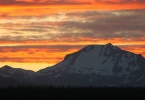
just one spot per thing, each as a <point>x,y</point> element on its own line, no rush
<point>106,48</point>
<point>109,44</point>
<point>6,67</point>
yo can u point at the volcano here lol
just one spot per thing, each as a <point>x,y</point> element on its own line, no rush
<point>93,65</point>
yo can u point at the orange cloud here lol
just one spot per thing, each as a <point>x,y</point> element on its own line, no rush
<point>52,9</point>
<point>37,55</point>
<point>24,0</point>
<point>43,2</point>
<point>52,52</point>
<point>75,41</point>
<point>48,56</point>
<point>137,49</point>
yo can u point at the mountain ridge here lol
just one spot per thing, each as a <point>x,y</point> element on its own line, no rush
<point>5,66</point>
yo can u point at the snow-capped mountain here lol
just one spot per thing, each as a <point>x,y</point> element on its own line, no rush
<point>8,71</point>
<point>15,76</point>
<point>97,65</point>
<point>94,65</point>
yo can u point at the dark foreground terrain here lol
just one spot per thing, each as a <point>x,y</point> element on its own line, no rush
<point>61,93</point>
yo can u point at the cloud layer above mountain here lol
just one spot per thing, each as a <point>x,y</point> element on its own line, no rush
<point>124,24</point>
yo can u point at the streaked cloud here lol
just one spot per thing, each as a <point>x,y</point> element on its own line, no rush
<point>43,2</point>
<point>34,54</point>
<point>126,24</point>
<point>32,2</point>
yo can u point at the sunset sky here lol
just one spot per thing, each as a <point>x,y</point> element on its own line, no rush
<point>35,34</point>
